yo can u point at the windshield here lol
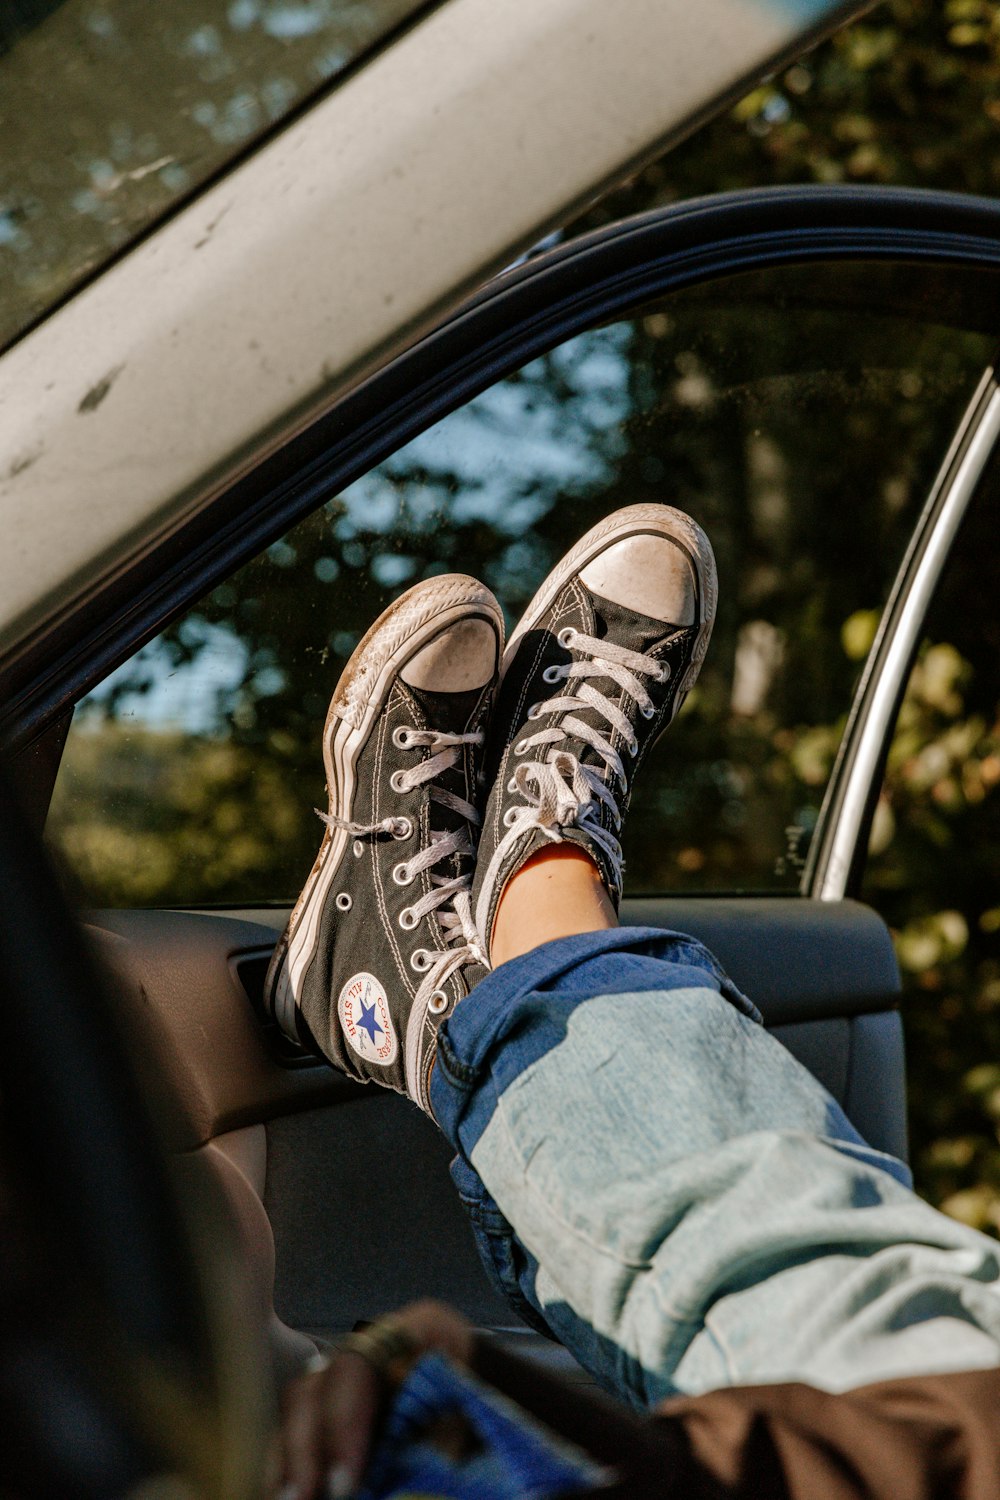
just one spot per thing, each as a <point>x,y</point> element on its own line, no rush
<point>113,110</point>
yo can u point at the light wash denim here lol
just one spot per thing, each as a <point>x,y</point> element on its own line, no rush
<point>659,1183</point>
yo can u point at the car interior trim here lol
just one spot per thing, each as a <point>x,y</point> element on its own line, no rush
<point>199,977</point>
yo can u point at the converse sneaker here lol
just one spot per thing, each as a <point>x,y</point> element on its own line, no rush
<point>602,660</point>
<point>381,946</point>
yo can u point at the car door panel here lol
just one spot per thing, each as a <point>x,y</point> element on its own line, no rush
<point>179,971</point>
<point>355,1181</point>
<point>365,1217</point>
<point>802,962</point>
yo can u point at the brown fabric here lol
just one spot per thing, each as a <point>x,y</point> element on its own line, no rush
<point>926,1436</point>
<point>933,1437</point>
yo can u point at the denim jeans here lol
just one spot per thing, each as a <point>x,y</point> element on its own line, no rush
<point>656,1181</point>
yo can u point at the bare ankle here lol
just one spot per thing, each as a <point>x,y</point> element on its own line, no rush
<point>557,893</point>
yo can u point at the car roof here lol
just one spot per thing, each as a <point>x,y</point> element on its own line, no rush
<point>140,401</point>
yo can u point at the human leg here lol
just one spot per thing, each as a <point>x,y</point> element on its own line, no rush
<point>691,1208</point>
<point>558,893</point>
<point>659,1183</point>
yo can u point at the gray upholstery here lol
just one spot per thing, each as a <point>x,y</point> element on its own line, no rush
<point>365,1217</point>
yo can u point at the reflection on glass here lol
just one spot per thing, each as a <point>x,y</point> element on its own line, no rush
<point>114,109</point>
<point>802,435</point>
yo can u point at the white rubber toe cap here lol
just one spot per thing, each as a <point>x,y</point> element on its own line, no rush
<point>649,574</point>
<point>459,659</point>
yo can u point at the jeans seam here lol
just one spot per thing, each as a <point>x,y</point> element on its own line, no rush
<point>490,1220</point>
<point>723,1347</point>
<point>459,1073</point>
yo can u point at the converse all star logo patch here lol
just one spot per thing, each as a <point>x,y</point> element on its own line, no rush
<point>364,1015</point>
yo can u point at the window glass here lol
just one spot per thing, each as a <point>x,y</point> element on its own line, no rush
<point>115,109</point>
<point>800,426</point>
<point>934,873</point>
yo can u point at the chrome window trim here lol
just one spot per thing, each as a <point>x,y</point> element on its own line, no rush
<point>837,855</point>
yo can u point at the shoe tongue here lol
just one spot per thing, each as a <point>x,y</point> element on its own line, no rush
<point>626,627</point>
<point>473,973</point>
<point>449,712</point>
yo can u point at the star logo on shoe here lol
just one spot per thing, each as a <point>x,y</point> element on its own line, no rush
<point>368,1022</point>
<point>363,1008</point>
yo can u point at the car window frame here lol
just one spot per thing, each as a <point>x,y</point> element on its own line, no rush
<point>519,316</point>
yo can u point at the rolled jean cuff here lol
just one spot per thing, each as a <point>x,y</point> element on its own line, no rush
<point>514,1017</point>
<point>500,1027</point>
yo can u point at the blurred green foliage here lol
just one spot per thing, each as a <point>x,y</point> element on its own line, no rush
<point>934,873</point>
<point>737,407</point>
<point>166,818</point>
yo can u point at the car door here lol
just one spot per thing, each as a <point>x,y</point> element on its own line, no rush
<point>809,372</point>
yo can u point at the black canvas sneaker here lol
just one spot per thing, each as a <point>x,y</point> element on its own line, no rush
<point>381,946</point>
<point>605,654</point>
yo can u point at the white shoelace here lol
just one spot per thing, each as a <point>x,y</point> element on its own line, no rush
<point>559,790</point>
<point>449,896</point>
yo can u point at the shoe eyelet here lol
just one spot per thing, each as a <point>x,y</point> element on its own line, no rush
<point>552,675</point>
<point>511,785</point>
<point>406,919</point>
<point>401,873</point>
<point>535,711</point>
<point>395,781</point>
<point>401,737</point>
<point>359,848</point>
<point>421,960</point>
<point>664,673</point>
<point>343,901</point>
<point>567,635</point>
<point>647,711</point>
<point>520,747</point>
<point>633,748</point>
<point>403,829</point>
<point>510,817</point>
<point>437,1003</point>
